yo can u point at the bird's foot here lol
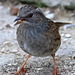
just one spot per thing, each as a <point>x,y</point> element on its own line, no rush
<point>22,71</point>
<point>55,72</point>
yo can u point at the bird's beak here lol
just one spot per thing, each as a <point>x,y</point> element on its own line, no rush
<point>18,20</point>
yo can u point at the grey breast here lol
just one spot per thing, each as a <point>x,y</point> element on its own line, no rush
<point>33,40</point>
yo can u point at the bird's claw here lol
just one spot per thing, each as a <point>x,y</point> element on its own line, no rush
<point>21,71</point>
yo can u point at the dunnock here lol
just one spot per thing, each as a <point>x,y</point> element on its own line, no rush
<point>37,35</point>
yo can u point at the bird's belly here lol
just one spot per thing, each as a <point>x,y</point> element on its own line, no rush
<point>39,47</point>
<point>37,44</point>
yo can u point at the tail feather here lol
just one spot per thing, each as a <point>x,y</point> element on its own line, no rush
<point>59,24</point>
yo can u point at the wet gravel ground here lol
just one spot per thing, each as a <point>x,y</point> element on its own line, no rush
<point>40,66</point>
<point>12,57</point>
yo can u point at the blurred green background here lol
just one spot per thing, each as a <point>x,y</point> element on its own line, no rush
<point>67,4</point>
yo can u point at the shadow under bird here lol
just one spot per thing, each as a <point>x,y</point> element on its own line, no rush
<point>37,35</point>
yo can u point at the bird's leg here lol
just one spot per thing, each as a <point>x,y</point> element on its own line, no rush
<point>55,72</point>
<point>22,68</point>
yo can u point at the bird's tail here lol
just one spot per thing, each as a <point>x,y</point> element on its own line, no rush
<point>59,24</point>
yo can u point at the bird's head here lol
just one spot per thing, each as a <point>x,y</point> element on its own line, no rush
<point>30,14</point>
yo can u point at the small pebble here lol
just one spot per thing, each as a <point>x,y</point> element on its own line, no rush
<point>6,43</point>
<point>1,6</point>
<point>74,67</point>
<point>8,26</point>
<point>9,64</point>
<point>51,15</point>
<point>14,64</point>
<point>47,12</point>
<point>66,67</point>
<point>67,35</point>
<point>72,63</point>
<point>62,34</point>
<point>64,40</point>
<point>39,68</point>
<point>13,10</point>
<point>3,49</point>
<point>67,26</point>
<point>73,56</point>
<point>18,68</point>
<point>14,50</point>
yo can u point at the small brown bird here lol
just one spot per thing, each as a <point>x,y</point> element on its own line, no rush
<point>37,35</point>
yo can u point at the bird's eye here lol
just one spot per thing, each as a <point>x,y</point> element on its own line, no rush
<point>30,15</point>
